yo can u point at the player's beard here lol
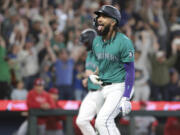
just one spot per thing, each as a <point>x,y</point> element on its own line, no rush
<point>88,46</point>
<point>105,31</point>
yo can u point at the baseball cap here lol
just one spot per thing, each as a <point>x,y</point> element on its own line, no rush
<point>160,54</point>
<point>53,91</point>
<point>39,81</point>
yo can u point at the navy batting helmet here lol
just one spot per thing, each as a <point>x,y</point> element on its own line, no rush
<point>110,11</point>
<point>87,36</point>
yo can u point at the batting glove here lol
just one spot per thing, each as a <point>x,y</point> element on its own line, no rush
<point>95,79</point>
<point>125,106</point>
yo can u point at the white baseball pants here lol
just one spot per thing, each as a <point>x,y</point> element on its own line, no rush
<point>111,108</point>
<point>89,108</point>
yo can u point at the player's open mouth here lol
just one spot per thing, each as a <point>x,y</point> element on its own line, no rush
<point>100,27</point>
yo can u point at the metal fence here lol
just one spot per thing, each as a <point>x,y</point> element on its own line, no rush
<point>34,113</point>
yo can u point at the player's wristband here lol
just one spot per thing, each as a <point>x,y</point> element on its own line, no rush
<point>125,99</point>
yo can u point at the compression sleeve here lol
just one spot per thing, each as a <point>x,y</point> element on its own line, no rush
<point>129,78</point>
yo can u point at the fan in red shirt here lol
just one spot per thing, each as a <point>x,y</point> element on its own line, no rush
<point>54,125</point>
<point>172,126</point>
<point>38,98</point>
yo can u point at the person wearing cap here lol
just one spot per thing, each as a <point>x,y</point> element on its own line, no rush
<point>54,124</point>
<point>114,54</point>
<point>160,78</point>
<point>38,98</point>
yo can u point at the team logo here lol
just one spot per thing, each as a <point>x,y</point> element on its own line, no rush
<point>131,54</point>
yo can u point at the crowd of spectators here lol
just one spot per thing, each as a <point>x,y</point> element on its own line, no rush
<point>40,38</point>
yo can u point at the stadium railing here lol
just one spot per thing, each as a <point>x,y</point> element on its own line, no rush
<point>34,113</point>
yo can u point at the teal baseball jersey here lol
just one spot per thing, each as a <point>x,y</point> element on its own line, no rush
<point>111,57</point>
<point>91,64</point>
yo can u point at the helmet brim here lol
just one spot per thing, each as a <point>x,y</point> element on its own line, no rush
<point>99,12</point>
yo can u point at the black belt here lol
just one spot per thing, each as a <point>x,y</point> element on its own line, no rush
<point>93,90</point>
<point>106,83</point>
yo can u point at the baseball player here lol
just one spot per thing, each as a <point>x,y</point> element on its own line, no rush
<point>38,98</point>
<point>93,100</point>
<point>114,54</point>
<point>54,125</point>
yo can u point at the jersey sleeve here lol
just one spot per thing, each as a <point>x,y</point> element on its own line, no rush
<point>87,66</point>
<point>127,53</point>
<point>93,49</point>
<point>91,62</point>
<point>50,101</point>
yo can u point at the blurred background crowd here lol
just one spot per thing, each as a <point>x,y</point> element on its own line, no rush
<point>40,38</point>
